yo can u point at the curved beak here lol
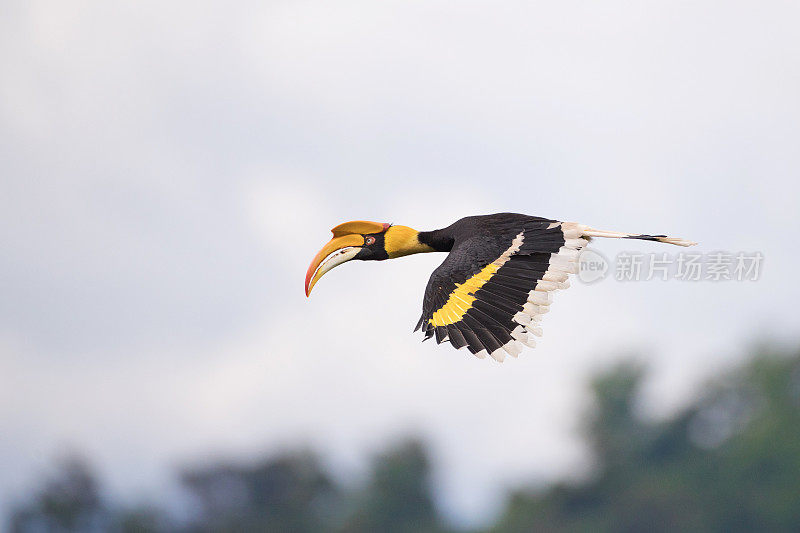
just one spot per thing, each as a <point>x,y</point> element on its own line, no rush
<point>333,254</point>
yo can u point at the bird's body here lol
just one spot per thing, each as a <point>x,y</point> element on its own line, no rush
<point>494,285</point>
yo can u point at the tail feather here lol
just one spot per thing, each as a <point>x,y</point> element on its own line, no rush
<point>586,231</point>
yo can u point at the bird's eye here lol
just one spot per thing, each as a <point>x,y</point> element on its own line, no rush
<point>369,240</point>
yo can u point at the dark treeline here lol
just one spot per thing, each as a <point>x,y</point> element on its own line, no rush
<point>728,462</point>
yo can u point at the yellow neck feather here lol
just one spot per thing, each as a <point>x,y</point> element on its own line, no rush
<point>402,240</point>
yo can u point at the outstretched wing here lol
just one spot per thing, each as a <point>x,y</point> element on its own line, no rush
<point>489,296</point>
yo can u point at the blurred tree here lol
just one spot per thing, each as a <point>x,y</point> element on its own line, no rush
<point>289,493</point>
<point>729,462</point>
<point>398,498</point>
<point>69,501</point>
<point>143,519</point>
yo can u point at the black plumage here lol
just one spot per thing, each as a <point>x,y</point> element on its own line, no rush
<point>474,243</point>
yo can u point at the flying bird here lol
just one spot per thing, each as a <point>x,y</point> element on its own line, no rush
<point>496,282</point>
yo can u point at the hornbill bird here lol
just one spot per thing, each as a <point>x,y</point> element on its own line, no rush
<point>496,282</point>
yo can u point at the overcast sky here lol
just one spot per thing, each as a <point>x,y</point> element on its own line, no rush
<point>168,170</point>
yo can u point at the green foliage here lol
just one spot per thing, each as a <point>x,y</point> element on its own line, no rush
<point>69,501</point>
<point>728,462</point>
<point>398,498</point>
<point>290,493</point>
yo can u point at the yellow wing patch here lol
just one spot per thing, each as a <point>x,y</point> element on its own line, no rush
<point>460,300</point>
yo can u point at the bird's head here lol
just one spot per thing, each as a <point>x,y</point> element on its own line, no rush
<point>364,240</point>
